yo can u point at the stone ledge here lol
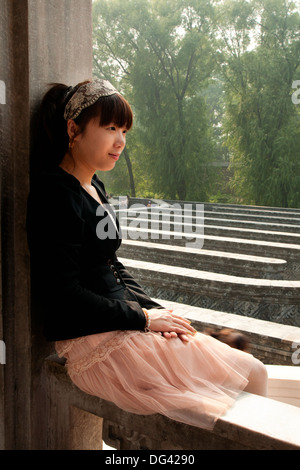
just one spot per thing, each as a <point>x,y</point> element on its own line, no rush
<point>270,425</point>
<point>269,211</point>
<point>194,251</point>
<point>275,292</point>
<point>246,222</point>
<point>268,418</point>
<point>211,276</point>
<point>206,260</point>
<point>286,251</point>
<point>284,384</point>
<point>226,230</point>
<point>273,300</point>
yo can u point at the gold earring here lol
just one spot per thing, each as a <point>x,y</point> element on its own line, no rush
<point>71,143</point>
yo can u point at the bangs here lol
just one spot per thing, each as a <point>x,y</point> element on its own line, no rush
<point>115,109</point>
<point>112,109</point>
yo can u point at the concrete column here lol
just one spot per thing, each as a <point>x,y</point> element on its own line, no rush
<point>42,41</point>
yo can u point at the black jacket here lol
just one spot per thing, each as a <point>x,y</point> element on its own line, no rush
<point>77,281</point>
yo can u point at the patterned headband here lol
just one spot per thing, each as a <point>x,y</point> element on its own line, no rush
<point>86,95</point>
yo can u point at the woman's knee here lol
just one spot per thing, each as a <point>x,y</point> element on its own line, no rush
<point>258,378</point>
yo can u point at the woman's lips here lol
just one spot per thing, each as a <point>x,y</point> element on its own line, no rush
<point>115,156</point>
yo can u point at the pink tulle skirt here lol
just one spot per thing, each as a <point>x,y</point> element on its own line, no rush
<point>145,373</point>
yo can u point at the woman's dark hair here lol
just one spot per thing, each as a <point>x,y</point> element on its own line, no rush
<point>50,140</point>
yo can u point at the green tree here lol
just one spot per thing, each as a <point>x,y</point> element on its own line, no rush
<point>159,53</point>
<point>262,122</point>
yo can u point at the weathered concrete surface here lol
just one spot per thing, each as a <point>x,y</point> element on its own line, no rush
<point>41,42</point>
<point>60,40</point>
<point>15,315</point>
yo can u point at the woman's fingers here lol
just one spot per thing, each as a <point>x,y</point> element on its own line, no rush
<point>185,337</point>
<point>171,334</point>
<point>164,321</point>
<point>184,323</point>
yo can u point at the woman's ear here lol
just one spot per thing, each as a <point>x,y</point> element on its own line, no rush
<point>72,129</point>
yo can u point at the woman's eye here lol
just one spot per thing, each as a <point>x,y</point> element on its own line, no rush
<point>114,128</point>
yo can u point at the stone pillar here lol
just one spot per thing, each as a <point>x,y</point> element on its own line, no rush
<point>42,42</point>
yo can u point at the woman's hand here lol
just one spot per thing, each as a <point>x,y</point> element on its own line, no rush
<point>170,325</point>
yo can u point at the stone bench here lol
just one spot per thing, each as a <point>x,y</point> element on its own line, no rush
<point>253,423</point>
<point>273,300</point>
<point>206,260</point>
<point>79,421</point>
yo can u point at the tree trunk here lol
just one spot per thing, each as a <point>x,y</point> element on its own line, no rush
<point>129,167</point>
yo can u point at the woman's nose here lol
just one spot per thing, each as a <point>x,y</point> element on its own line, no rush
<point>121,139</point>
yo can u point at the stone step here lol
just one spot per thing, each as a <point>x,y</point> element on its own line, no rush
<point>270,213</point>
<point>273,300</point>
<point>290,221</point>
<point>214,205</point>
<point>207,228</point>
<point>273,249</point>
<point>253,210</point>
<point>279,226</point>
<point>205,260</point>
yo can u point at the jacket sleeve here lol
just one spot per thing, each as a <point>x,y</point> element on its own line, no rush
<point>55,236</point>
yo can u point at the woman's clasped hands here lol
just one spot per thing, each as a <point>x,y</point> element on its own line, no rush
<point>169,324</point>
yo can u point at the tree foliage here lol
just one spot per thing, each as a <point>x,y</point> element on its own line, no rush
<point>160,54</point>
<point>261,121</point>
<point>207,81</point>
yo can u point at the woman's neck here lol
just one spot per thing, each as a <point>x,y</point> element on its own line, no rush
<point>78,170</point>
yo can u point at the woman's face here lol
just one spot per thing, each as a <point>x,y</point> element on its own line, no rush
<point>99,148</point>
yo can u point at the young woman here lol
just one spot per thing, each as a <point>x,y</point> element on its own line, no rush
<point>119,344</point>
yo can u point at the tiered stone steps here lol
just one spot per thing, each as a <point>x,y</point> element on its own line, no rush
<point>243,260</point>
